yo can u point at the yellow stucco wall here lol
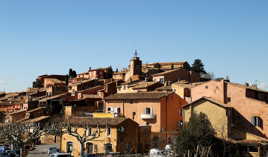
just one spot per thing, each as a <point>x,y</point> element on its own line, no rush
<point>68,110</point>
<point>216,114</point>
<point>178,89</point>
<point>98,142</point>
<point>103,115</point>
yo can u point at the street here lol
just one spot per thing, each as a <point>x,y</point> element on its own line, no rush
<point>40,150</point>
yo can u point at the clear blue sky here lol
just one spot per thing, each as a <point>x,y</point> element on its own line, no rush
<point>50,36</point>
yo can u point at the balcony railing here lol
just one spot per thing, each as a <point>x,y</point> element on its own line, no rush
<point>147,116</point>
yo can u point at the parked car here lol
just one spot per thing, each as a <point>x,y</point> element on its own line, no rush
<point>4,154</point>
<point>60,155</point>
<point>90,155</point>
<point>156,153</point>
<point>13,153</point>
<point>52,150</point>
<point>169,150</point>
<point>3,149</point>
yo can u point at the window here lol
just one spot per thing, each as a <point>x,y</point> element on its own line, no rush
<point>133,115</point>
<point>89,148</point>
<point>180,124</point>
<point>229,99</point>
<point>108,131</point>
<point>252,148</point>
<point>96,148</point>
<point>147,110</point>
<point>101,106</point>
<point>161,80</point>
<point>116,110</point>
<point>257,121</point>
<point>108,147</point>
<point>187,92</point>
<point>109,109</point>
<point>180,112</point>
<point>69,146</point>
<point>88,132</point>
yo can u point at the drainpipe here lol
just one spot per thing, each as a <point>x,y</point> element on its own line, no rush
<point>124,108</point>
<point>166,118</point>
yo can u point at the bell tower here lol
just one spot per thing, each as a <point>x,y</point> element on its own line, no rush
<point>135,66</point>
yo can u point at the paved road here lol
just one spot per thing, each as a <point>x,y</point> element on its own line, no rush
<point>40,150</point>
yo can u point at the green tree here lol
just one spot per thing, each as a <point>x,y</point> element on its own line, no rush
<point>198,66</point>
<point>72,73</point>
<point>157,65</point>
<point>109,72</point>
<point>197,133</point>
<point>37,84</point>
<point>186,66</point>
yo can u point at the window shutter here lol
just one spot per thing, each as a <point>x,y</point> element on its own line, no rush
<point>261,123</point>
<point>96,148</point>
<point>253,121</point>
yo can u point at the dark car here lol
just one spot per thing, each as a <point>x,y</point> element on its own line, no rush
<point>52,150</point>
<point>4,154</point>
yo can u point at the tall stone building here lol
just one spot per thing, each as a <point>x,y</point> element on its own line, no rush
<point>134,69</point>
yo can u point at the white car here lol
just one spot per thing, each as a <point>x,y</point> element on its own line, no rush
<point>60,155</point>
<point>156,153</point>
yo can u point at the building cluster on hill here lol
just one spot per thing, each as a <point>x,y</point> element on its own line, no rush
<point>142,104</point>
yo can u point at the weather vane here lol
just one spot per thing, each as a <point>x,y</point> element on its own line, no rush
<point>136,53</point>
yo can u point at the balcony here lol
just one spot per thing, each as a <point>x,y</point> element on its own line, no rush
<point>147,116</point>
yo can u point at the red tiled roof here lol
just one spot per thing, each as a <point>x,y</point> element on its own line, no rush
<point>37,119</point>
<point>82,121</point>
<point>139,95</point>
<point>207,99</point>
<point>166,63</point>
<point>166,72</point>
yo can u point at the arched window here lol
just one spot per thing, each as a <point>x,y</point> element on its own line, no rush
<point>89,148</point>
<point>69,147</point>
<point>257,121</point>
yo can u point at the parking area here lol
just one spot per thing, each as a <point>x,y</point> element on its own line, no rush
<point>41,150</point>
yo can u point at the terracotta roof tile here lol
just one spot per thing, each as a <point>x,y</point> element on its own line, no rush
<point>54,97</point>
<point>144,85</point>
<point>166,72</point>
<point>80,121</point>
<point>38,119</point>
<point>139,95</point>
<point>166,63</point>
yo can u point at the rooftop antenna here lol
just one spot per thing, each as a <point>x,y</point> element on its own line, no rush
<point>136,53</point>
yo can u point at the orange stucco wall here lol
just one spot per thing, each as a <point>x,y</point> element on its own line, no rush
<point>127,109</point>
<point>233,95</point>
<point>213,89</point>
<point>167,111</point>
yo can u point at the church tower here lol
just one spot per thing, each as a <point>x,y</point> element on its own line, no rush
<point>135,66</point>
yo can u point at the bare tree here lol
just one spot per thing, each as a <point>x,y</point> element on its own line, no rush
<point>2,117</point>
<point>20,134</point>
<point>66,127</point>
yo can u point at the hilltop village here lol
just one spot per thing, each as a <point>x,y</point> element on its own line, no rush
<point>138,108</point>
